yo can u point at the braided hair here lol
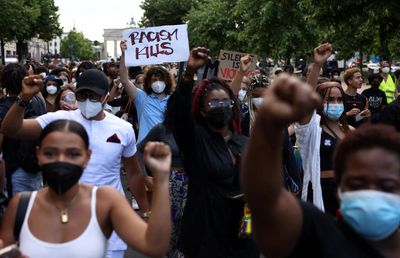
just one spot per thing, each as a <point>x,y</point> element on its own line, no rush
<point>204,88</point>
<point>257,81</point>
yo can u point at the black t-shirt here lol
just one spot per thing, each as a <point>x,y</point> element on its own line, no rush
<point>20,153</point>
<point>358,101</point>
<point>161,134</point>
<point>391,114</point>
<point>324,237</point>
<point>377,100</point>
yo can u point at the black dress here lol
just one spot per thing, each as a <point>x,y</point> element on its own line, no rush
<point>211,219</point>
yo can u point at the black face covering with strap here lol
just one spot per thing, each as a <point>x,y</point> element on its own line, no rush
<point>61,176</point>
<point>219,117</point>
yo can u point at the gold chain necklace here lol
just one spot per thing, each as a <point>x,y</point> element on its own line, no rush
<point>64,212</point>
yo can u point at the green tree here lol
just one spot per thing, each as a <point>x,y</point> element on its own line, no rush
<point>215,25</point>
<point>162,12</point>
<point>76,46</point>
<point>45,25</point>
<point>16,18</point>
<point>278,29</point>
<point>367,26</point>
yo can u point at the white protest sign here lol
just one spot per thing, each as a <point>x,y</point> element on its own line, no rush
<point>156,45</point>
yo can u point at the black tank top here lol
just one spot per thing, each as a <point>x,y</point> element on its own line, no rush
<point>326,149</point>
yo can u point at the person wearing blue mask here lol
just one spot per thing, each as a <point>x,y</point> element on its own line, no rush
<point>317,135</point>
<point>367,173</point>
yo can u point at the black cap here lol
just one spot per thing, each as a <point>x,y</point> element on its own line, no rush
<point>93,80</point>
<point>55,79</point>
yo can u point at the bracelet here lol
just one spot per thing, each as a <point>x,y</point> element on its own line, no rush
<point>20,102</point>
<point>146,214</point>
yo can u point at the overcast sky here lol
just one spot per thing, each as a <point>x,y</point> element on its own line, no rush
<point>92,16</point>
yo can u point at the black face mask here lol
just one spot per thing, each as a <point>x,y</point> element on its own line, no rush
<point>219,117</point>
<point>61,176</point>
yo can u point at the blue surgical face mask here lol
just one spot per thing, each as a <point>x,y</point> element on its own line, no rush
<point>333,111</point>
<point>375,215</point>
<point>242,95</point>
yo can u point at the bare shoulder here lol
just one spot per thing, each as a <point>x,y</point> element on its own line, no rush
<point>108,194</point>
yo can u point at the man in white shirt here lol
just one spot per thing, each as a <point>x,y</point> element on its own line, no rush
<point>110,138</point>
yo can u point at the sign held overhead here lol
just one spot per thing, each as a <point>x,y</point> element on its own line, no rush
<point>156,45</point>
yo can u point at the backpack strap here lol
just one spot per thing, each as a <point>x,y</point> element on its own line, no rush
<point>21,212</point>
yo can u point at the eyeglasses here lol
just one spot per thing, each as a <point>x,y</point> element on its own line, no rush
<point>220,103</point>
<point>93,97</point>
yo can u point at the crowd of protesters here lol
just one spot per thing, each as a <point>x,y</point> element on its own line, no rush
<point>272,165</point>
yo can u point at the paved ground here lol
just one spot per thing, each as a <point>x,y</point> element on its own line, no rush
<point>130,253</point>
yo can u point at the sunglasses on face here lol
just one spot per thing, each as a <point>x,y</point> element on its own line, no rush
<point>93,97</point>
<point>220,103</point>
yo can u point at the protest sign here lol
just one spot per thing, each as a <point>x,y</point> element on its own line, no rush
<point>229,64</point>
<point>156,45</point>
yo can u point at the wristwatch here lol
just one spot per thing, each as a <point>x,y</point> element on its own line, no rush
<point>20,102</point>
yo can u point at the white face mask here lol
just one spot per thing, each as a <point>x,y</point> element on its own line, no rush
<point>385,69</point>
<point>158,87</point>
<point>242,95</point>
<point>90,109</point>
<point>51,89</point>
<point>257,102</point>
<point>336,77</point>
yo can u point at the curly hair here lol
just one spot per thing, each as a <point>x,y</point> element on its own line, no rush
<point>325,90</point>
<point>365,137</point>
<point>161,72</point>
<point>12,76</point>
<point>200,93</point>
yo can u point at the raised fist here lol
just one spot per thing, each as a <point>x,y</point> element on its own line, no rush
<point>288,100</point>
<point>198,58</point>
<point>322,53</point>
<point>157,157</point>
<point>31,85</point>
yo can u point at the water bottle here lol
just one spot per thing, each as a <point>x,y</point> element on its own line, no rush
<point>70,98</point>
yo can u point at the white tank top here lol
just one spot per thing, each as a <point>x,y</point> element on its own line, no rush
<point>90,244</point>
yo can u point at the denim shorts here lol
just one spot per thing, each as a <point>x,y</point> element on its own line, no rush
<point>23,181</point>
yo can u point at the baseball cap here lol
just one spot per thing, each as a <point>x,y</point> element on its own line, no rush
<point>93,80</point>
<point>55,79</point>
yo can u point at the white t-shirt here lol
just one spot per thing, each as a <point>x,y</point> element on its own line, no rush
<point>107,149</point>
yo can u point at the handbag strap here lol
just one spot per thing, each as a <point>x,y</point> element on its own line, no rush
<point>21,212</point>
<point>128,105</point>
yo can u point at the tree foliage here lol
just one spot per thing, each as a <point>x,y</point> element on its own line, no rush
<point>367,26</point>
<point>24,19</point>
<point>162,12</point>
<point>76,46</point>
<point>214,24</point>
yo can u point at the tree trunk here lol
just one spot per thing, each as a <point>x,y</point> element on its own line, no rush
<point>22,50</point>
<point>384,42</point>
<point>3,54</point>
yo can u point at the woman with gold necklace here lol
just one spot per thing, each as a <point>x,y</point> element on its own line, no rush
<point>70,219</point>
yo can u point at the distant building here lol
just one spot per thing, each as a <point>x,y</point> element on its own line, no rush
<point>55,44</point>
